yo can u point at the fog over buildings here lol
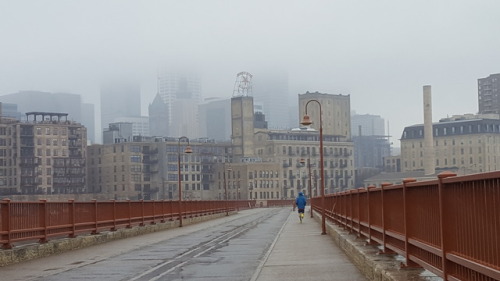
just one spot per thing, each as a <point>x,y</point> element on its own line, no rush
<point>380,53</point>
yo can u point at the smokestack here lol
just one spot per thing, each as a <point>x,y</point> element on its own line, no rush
<point>429,157</point>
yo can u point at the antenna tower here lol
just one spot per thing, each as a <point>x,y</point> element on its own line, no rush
<point>243,84</point>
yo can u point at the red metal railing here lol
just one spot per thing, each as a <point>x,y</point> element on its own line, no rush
<point>280,203</point>
<point>24,221</point>
<point>450,226</point>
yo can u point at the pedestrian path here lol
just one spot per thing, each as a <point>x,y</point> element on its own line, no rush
<point>301,253</point>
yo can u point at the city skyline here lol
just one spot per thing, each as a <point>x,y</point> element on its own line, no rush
<point>381,54</point>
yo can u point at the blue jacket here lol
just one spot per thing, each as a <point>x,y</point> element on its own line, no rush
<point>301,201</point>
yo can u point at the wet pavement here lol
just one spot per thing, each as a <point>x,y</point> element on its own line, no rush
<point>258,244</point>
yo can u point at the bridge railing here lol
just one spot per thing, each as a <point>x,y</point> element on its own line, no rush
<point>25,221</point>
<point>450,226</point>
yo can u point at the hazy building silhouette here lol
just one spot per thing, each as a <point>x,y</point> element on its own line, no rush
<point>181,92</point>
<point>158,117</point>
<point>215,119</point>
<point>119,98</point>
<point>38,101</point>
<point>10,110</point>
<point>271,90</point>
<point>371,145</point>
<point>88,120</point>
<point>140,124</point>
<point>367,125</point>
<point>117,133</point>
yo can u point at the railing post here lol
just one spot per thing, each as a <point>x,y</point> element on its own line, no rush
<point>6,224</point>
<point>385,250</point>
<point>162,211</point>
<point>154,211</point>
<point>114,215</point>
<point>94,231</point>
<point>129,214</point>
<point>444,248</point>
<point>408,262</point>
<point>369,216</point>
<point>142,213</point>
<point>42,216</point>
<point>351,211</point>
<point>359,213</point>
<point>71,207</point>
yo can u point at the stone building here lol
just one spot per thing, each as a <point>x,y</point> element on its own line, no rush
<point>148,168</point>
<point>464,144</point>
<point>45,156</point>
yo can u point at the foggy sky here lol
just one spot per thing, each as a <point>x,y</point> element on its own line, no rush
<point>379,52</point>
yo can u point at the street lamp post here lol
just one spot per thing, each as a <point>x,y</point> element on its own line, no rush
<point>306,121</point>
<point>187,150</point>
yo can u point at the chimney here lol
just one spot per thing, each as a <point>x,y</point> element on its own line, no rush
<point>429,157</point>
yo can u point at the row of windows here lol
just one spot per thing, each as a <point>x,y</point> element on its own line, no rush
<point>445,162</point>
<point>261,174</point>
<point>54,152</point>
<point>448,142</point>
<point>444,131</point>
<point>308,151</point>
<point>54,131</point>
<point>263,195</point>
<point>54,142</point>
<point>263,184</point>
<point>8,182</point>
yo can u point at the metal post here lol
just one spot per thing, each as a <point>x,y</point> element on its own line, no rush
<point>225,190</point>
<point>188,150</point>
<point>307,121</point>
<point>310,184</point>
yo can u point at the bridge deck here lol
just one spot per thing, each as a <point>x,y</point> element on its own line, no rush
<point>301,253</point>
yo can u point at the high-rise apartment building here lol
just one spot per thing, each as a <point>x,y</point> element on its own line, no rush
<point>489,94</point>
<point>181,92</point>
<point>43,155</point>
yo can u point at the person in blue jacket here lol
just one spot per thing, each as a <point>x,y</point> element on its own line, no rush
<point>301,203</point>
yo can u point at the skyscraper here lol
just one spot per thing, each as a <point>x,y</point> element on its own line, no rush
<point>181,92</point>
<point>271,90</point>
<point>158,117</point>
<point>215,119</point>
<point>489,94</point>
<point>119,98</point>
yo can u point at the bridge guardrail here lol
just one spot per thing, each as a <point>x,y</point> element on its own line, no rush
<point>24,221</point>
<point>449,226</point>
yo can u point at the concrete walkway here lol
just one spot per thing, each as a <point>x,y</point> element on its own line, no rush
<point>301,253</point>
